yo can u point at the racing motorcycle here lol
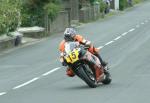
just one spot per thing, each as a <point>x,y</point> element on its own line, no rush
<point>82,63</point>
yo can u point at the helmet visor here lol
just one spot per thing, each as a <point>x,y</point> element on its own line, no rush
<point>68,38</point>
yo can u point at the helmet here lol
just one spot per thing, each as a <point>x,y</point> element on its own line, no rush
<point>69,33</point>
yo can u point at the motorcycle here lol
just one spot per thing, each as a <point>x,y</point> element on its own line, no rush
<point>83,64</point>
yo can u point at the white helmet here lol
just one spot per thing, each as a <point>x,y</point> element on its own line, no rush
<point>69,33</point>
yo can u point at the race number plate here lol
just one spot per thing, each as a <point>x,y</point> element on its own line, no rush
<point>72,57</point>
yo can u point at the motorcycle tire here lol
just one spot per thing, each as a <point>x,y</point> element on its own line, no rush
<point>107,79</point>
<point>84,75</point>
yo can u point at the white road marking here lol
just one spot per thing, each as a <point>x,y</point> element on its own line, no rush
<point>125,33</point>
<point>51,71</point>
<point>117,38</point>
<point>24,84</point>
<point>109,42</point>
<point>100,47</point>
<point>142,23</point>
<point>131,30</point>
<point>2,93</point>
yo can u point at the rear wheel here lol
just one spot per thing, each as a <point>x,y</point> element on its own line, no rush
<point>107,79</point>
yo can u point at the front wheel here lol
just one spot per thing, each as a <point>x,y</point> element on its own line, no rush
<point>87,75</point>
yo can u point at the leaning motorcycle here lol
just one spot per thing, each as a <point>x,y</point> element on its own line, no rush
<point>75,56</point>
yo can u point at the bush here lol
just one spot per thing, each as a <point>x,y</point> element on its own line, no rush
<point>32,16</point>
<point>92,1</point>
<point>33,11</point>
<point>52,10</point>
<point>102,5</point>
<point>122,4</point>
<point>9,15</point>
<point>136,1</point>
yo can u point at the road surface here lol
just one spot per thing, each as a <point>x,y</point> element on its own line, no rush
<point>33,74</point>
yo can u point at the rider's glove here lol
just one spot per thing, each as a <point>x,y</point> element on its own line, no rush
<point>87,44</point>
<point>64,63</point>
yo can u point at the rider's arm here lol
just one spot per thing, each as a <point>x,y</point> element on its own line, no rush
<point>82,40</point>
<point>61,49</point>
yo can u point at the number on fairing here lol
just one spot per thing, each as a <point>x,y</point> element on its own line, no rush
<point>72,57</point>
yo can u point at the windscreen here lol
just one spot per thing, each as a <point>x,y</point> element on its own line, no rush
<point>69,46</point>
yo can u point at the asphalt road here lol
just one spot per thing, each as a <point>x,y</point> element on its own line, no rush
<point>33,74</point>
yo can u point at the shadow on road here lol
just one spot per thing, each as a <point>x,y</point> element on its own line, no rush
<point>86,87</point>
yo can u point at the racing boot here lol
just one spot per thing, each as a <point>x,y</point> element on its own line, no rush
<point>69,72</point>
<point>104,64</point>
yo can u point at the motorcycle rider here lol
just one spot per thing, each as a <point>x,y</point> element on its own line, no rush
<point>71,35</point>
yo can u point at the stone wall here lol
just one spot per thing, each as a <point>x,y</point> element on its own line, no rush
<point>89,13</point>
<point>7,42</point>
<point>58,25</point>
<point>10,40</point>
<point>72,6</point>
<point>33,32</point>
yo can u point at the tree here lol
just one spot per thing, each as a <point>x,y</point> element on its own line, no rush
<point>33,11</point>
